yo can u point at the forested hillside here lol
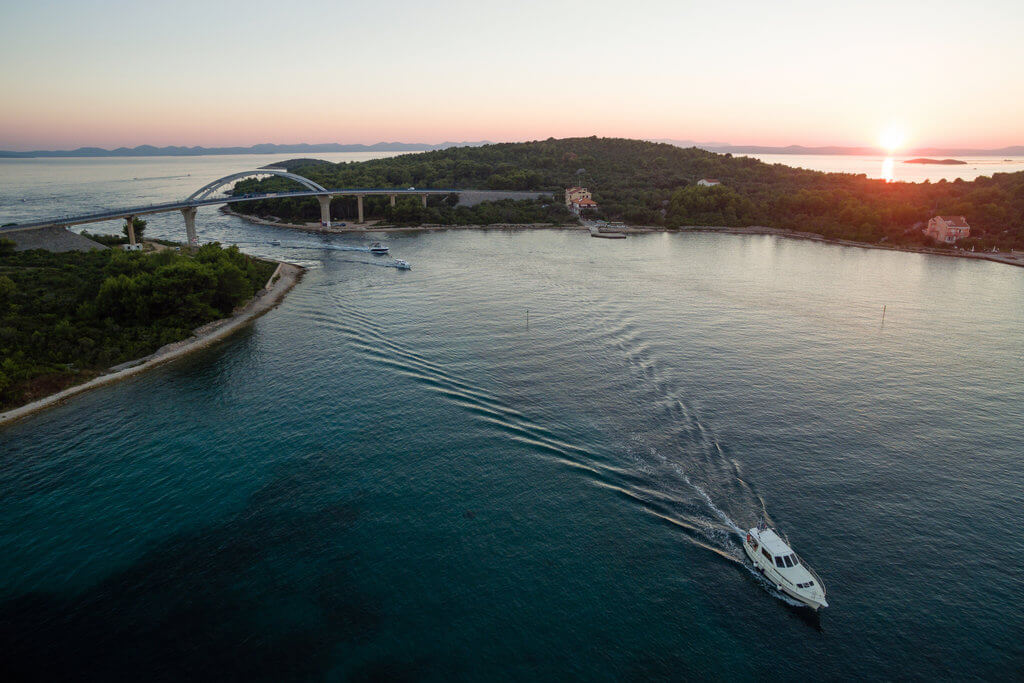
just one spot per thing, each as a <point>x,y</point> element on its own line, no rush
<point>66,316</point>
<point>655,184</point>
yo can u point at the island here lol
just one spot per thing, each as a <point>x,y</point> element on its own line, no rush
<point>73,320</point>
<point>654,185</point>
<point>945,162</point>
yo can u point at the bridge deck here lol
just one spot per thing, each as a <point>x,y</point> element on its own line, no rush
<point>114,214</point>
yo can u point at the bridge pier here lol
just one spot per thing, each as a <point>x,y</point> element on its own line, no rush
<point>392,199</point>
<point>325,209</point>
<point>189,212</point>
<point>424,201</point>
<point>130,223</point>
<point>359,203</point>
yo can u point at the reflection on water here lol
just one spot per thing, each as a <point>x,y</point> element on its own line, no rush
<point>888,174</point>
<point>870,165</point>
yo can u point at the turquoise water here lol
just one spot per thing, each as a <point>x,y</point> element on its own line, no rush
<point>393,476</point>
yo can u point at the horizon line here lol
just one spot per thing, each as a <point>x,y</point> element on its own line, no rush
<point>147,149</point>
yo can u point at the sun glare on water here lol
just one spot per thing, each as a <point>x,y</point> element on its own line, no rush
<point>893,138</point>
<point>888,170</point>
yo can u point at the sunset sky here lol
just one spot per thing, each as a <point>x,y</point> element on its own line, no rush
<point>237,73</point>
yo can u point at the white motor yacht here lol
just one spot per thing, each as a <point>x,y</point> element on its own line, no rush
<point>776,560</point>
<point>402,265</point>
<point>378,248</point>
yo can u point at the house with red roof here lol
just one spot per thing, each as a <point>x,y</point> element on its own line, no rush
<point>578,199</point>
<point>581,204</point>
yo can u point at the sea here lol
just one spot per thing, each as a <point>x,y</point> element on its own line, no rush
<point>531,457</point>
<point>896,168</point>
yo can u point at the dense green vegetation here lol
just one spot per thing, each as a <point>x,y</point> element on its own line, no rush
<point>408,210</point>
<point>655,184</point>
<point>66,316</point>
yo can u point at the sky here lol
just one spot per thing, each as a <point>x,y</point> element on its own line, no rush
<point>221,73</point>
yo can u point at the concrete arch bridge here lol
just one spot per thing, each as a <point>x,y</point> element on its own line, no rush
<point>207,196</point>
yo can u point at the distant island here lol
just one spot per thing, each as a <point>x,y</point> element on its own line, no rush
<point>1014,150</point>
<point>325,148</point>
<point>656,185</point>
<point>177,151</point>
<point>925,160</point>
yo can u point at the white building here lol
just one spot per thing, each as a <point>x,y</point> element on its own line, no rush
<point>708,182</point>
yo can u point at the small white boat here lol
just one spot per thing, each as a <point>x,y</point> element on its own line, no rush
<point>378,248</point>
<point>275,243</point>
<point>776,560</point>
<point>402,265</point>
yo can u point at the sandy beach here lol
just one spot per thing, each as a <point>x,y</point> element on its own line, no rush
<point>283,279</point>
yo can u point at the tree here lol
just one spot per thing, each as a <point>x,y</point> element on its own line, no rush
<point>6,247</point>
<point>138,225</point>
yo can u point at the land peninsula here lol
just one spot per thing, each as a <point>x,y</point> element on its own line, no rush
<point>75,320</point>
<point>656,185</point>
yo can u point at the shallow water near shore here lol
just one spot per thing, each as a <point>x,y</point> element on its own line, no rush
<point>394,474</point>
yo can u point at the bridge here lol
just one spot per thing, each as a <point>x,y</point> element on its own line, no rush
<point>205,196</point>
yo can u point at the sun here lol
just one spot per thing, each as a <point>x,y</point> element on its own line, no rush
<point>894,137</point>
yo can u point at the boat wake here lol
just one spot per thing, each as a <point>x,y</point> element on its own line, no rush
<point>671,465</point>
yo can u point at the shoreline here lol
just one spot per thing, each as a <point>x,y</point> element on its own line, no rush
<point>263,301</point>
<point>374,226</point>
<point>1007,259</point>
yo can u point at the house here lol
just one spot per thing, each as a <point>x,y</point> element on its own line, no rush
<point>708,182</point>
<point>573,194</point>
<point>948,229</point>
<point>579,205</point>
<point>578,199</point>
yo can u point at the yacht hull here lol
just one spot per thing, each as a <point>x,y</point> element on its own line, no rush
<point>768,570</point>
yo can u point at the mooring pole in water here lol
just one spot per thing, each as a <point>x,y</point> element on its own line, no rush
<point>527,317</point>
<point>883,313</point>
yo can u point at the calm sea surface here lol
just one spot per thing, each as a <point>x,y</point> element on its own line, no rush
<point>896,168</point>
<point>394,475</point>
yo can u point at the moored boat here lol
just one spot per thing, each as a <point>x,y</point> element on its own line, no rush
<point>596,231</point>
<point>774,558</point>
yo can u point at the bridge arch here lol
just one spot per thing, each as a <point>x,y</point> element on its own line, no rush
<point>206,190</point>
